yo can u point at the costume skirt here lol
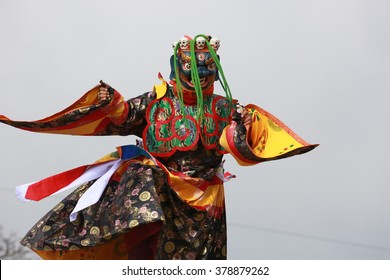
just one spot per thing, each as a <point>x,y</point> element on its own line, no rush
<point>138,216</point>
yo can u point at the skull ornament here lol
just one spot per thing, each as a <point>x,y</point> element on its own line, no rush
<point>200,43</point>
<point>174,44</point>
<point>215,43</point>
<point>184,43</point>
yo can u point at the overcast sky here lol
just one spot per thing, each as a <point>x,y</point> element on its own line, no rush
<point>322,67</point>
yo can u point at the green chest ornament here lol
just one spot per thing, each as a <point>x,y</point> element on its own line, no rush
<point>169,130</point>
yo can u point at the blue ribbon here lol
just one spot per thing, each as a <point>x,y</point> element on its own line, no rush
<point>133,151</point>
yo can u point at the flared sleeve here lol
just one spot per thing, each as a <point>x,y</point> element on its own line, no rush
<point>266,139</point>
<point>88,116</point>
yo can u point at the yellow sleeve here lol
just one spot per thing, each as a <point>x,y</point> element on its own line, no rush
<point>267,139</point>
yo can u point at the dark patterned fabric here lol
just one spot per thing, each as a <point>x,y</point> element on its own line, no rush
<point>139,197</point>
<point>117,211</point>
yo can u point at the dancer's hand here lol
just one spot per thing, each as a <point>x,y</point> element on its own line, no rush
<point>246,118</point>
<point>103,93</point>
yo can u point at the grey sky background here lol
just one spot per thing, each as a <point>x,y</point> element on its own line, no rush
<point>322,67</point>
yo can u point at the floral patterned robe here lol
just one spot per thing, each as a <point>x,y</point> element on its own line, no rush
<point>166,202</point>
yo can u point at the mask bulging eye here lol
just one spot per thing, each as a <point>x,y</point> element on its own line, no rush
<point>187,66</point>
<point>211,66</point>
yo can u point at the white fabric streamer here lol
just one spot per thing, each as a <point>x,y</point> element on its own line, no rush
<point>90,174</point>
<point>93,194</point>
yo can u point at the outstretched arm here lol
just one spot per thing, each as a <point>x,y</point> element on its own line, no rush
<point>91,116</point>
<point>259,136</point>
